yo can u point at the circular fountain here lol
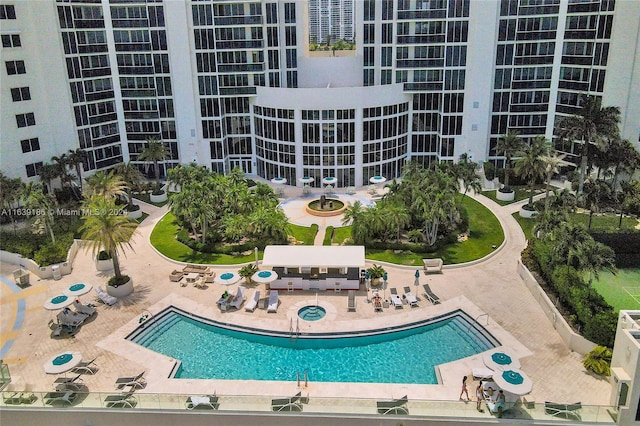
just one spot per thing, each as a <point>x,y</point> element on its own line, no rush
<point>326,207</point>
<point>312,313</point>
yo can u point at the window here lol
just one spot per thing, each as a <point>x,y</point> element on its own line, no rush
<point>15,67</point>
<point>11,40</point>
<point>290,36</point>
<point>26,120</point>
<point>33,169</point>
<point>7,11</point>
<point>20,94</point>
<point>290,13</point>
<point>29,145</point>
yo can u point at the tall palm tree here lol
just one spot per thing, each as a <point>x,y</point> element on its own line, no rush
<point>35,199</point>
<point>154,152</point>
<point>510,144</point>
<point>628,197</point>
<point>552,162</point>
<point>352,213</point>
<point>131,177</point>
<point>11,190</point>
<point>593,257</point>
<point>106,230</point>
<point>76,159</point>
<point>61,163</point>
<point>48,172</point>
<point>594,124</point>
<point>105,184</point>
<point>531,165</point>
<point>595,191</point>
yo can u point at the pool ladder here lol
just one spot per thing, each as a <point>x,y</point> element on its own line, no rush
<point>293,334</point>
<point>305,378</point>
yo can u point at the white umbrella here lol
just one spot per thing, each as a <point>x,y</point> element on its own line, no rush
<point>58,302</point>
<point>499,360</point>
<point>78,289</point>
<point>279,180</point>
<point>306,179</point>
<point>330,180</point>
<point>227,278</point>
<point>378,179</point>
<point>62,363</point>
<point>513,381</point>
<point>264,276</point>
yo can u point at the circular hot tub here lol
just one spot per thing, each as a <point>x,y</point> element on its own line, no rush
<point>312,313</point>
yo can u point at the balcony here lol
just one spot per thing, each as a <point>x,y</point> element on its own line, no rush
<point>231,91</point>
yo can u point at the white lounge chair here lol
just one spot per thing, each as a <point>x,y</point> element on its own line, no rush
<point>83,309</point>
<point>137,381</point>
<point>237,300</point>
<point>273,301</point>
<point>86,367</point>
<point>395,299</point>
<point>411,298</point>
<point>71,319</point>
<point>104,297</point>
<point>253,301</point>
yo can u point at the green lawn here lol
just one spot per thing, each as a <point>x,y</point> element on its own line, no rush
<point>522,193</point>
<point>612,288</point>
<point>605,222</point>
<point>163,238</point>
<point>306,234</point>
<point>341,234</point>
<point>485,232</point>
<point>526,224</point>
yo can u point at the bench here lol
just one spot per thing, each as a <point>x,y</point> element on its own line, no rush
<point>432,265</point>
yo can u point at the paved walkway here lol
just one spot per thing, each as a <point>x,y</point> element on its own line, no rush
<point>492,287</point>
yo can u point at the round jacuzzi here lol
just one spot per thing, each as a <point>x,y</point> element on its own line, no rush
<point>312,313</point>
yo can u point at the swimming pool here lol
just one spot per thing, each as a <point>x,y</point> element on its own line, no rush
<point>394,355</point>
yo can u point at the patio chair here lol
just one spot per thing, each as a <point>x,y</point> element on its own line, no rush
<point>71,319</point>
<point>104,297</point>
<point>205,401</point>
<point>75,382</point>
<point>351,301</point>
<point>395,406</point>
<point>121,400</point>
<point>67,397</point>
<point>200,283</point>
<point>253,301</point>
<point>210,278</point>
<point>238,299</point>
<point>433,298</point>
<point>411,298</point>
<point>83,309</point>
<point>176,275</point>
<point>137,381</point>
<point>56,328</point>
<point>287,404</point>
<point>86,367</point>
<point>273,301</point>
<point>563,410</point>
<point>395,299</point>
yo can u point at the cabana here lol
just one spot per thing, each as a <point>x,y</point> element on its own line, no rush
<point>316,268</point>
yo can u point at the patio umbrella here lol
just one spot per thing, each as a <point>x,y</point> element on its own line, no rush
<point>78,289</point>
<point>306,179</point>
<point>499,360</point>
<point>416,282</point>
<point>58,302</point>
<point>62,363</point>
<point>330,180</point>
<point>514,381</point>
<point>377,179</point>
<point>227,278</point>
<point>264,276</point>
<point>279,180</point>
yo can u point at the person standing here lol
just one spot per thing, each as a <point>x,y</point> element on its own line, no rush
<point>479,396</point>
<point>464,388</point>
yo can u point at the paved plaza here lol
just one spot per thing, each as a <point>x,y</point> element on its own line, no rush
<point>490,287</point>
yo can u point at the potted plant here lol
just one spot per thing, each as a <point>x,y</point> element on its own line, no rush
<point>104,261</point>
<point>155,152</point>
<point>247,272</point>
<point>509,145</point>
<point>376,272</point>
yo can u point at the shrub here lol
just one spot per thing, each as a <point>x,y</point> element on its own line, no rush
<point>598,360</point>
<point>626,246</point>
<point>103,255</point>
<point>328,236</point>
<point>489,170</point>
<point>118,281</point>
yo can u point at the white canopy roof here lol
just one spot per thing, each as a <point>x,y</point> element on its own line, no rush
<point>314,256</point>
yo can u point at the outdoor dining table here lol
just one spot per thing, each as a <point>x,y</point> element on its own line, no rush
<point>191,277</point>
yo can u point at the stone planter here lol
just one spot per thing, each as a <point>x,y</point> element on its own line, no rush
<point>136,214</point>
<point>121,291</point>
<point>527,213</point>
<point>104,265</point>
<point>158,198</point>
<point>505,196</point>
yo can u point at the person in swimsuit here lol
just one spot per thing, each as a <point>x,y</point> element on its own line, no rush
<point>464,388</point>
<point>479,396</point>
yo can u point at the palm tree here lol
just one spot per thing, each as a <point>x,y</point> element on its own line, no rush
<point>593,257</point>
<point>593,125</point>
<point>552,162</point>
<point>105,184</point>
<point>628,197</point>
<point>568,239</point>
<point>509,145</point>
<point>352,213</point>
<point>595,191</point>
<point>35,199</point>
<point>11,190</point>
<point>131,177</point>
<point>76,159</point>
<point>61,163</point>
<point>107,230</point>
<point>154,152</point>
<point>48,172</point>
<point>465,171</point>
<point>531,165</point>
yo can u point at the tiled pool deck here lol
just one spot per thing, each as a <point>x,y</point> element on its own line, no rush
<point>492,287</point>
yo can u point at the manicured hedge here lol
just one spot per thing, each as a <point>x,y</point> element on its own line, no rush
<point>626,245</point>
<point>328,236</point>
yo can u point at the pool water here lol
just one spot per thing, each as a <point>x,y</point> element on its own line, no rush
<point>409,356</point>
<point>312,313</point>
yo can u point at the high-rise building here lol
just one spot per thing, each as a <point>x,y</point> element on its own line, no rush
<point>231,83</point>
<point>330,20</point>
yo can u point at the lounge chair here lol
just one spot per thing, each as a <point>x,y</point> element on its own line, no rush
<point>491,391</point>
<point>377,302</point>
<point>481,373</point>
<point>238,299</point>
<point>563,410</point>
<point>287,404</point>
<point>11,395</point>
<point>83,309</point>
<point>64,397</point>
<point>176,275</point>
<point>433,298</point>
<point>121,400</point>
<point>56,328</point>
<point>253,301</point>
<point>273,301</point>
<point>104,297</point>
<point>410,297</point>
<point>71,319</point>
<point>395,406</point>
<point>205,401</point>
<point>395,299</point>
<point>64,384</point>
<point>351,301</point>
<point>137,381</point>
<point>86,367</point>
